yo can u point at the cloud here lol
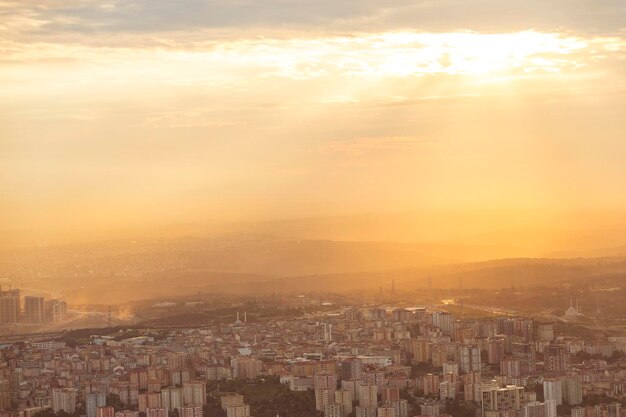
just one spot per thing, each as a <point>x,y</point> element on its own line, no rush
<point>38,20</point>
<point>382,54</point>
<point>362,146</point>
<point>187,118</point>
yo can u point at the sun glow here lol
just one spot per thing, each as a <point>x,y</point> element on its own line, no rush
<point>368,55</point>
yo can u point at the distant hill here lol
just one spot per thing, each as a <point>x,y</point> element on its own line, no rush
<point>120,271</point>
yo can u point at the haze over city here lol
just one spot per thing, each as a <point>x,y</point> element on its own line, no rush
<point>298,208</point>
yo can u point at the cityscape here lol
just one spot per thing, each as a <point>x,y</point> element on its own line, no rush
<point>312,208</point>
<point>37,310</point>
<point>300,356</point>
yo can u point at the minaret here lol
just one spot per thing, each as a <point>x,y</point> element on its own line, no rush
<point>245,316</point>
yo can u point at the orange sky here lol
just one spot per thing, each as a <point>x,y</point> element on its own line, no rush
<point>115,114</point>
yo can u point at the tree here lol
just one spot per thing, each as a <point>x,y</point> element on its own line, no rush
<point>460,409</point>
<point>213,408</point>
<point>114,401</point>
<point>45,413</point>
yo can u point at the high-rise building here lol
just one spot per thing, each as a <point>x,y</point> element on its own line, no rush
<point>386,411</point>
<point>325,385</point>
<point>325,381</point>
<point>485,330</point>
<point>510,367</point>
<point>524,328</point>
<point>430,409</point>
<point>368,395</point>
<point>344,398</point>
<point>157,412</point>
<point>247,368</point>
<point>468,358</point>
<point>105,411</point>
<point>127,413</point>
<point>550,408</point>
<point>238,411</point>
<point>504,325</point>
<point>156,378</point>
<point>535,409</point>
<point>472,392</point>
<point>401,406</point>
<point>64,399</point>
<point>572,391</point>
<point>525,352</point>
<point>333,410</point>
<point>192,411</point>
<point>545,331</point>
<point>430,384</point>
<point>177,360</point>
<point>231,400</point>
<point>324,397</point>
<point>172,398</point>
<point>351,369</point>
<point>139,377</point>
<point>451,368</point>
<point>390,394</point>
<point>34,311</point>
<point>5,395</point>
<point>553,390</point>
<point>495,350</point>
<point>375,377</point>
<point>509,398</point>
<point>363,411</point>
<point>555,359</point>
<point>539,409</point>
<point>377,313</point>
<point>147,400</point>
<point>178,376</point>
<point>447,390</point>
<point>472,377</point>
<point>93,400</point>
<point>55,310</point>
<point>443,320</point>
<point>421,350</point>
<point>353,386</point>
<point>614,409</point>
<point>10,306</point>
<point>402,315</point>
<point>194,393</point>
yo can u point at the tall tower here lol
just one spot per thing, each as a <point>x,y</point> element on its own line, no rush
<point>10,306</point>
<point>109,319</point>
<point>34,310</point>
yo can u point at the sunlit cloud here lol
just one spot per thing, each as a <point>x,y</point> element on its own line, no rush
<point>366,56</point>
<point>367,145</point>
<point>142,104</point>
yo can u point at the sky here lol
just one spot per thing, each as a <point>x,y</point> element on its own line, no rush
<point>115,114</point>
